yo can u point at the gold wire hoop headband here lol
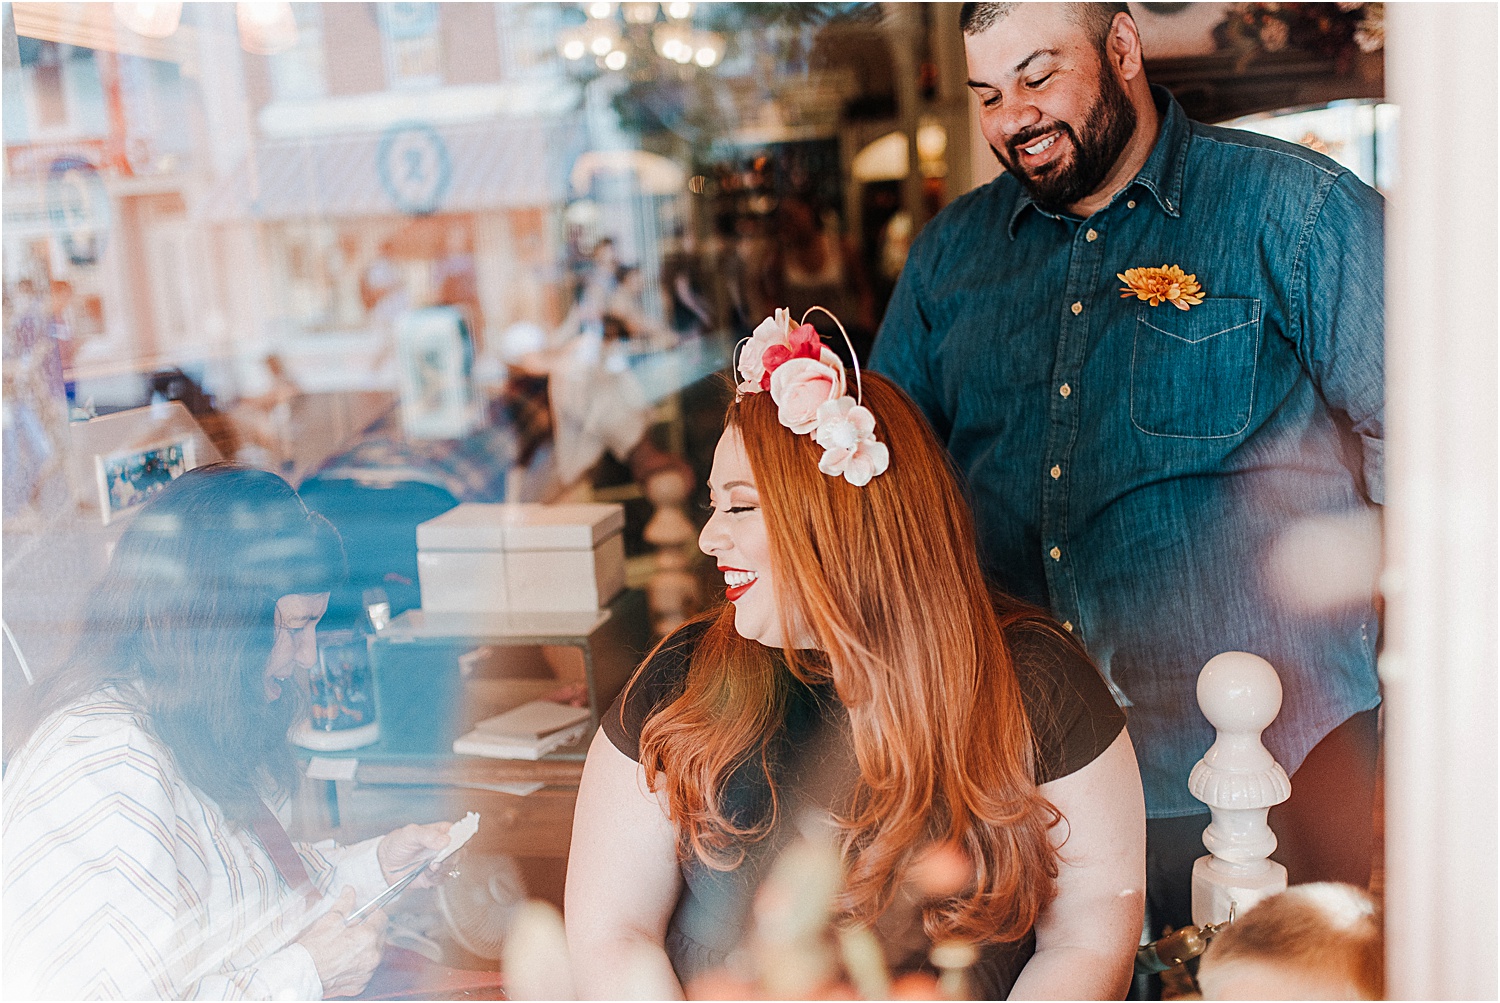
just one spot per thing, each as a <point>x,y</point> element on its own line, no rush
<point>806,380</point>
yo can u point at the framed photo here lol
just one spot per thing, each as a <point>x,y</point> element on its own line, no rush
<point>129,478</point>
<point>436,401</point>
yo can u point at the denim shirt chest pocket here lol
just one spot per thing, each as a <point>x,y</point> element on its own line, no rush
<point>1192,372</point>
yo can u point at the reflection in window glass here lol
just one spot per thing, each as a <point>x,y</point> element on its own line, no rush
<point>299,72</point>
<point>1357,134</point>
<point>289,220</point>
<point>711,146</point>
<point>411,255</point>
<point>528,39</point>
<point>413,54</point>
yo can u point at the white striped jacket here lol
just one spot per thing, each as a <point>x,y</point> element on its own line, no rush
<point>121,881</point>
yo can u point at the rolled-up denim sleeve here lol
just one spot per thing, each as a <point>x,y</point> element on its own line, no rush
<point>1340,297</point>
<point>903,348</point>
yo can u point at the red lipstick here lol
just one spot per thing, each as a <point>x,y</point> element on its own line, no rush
<point>733,592</point>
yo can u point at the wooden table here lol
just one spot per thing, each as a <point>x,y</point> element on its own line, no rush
<point>540,824</point>
<point>406,778</point>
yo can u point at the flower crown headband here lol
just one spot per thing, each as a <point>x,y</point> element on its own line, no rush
<point>806,380</point>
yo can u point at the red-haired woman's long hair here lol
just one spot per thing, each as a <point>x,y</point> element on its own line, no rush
<point>886,577</point>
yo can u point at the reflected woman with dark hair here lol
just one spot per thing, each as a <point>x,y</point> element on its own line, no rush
<point>141,860</point>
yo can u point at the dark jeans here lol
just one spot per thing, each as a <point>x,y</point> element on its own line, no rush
<point>1324,832</point>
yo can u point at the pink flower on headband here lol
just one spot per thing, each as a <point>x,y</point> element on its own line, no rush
<point>806,382</point>
<point>803,343</point>
<point>846,431</point>
<point>772,332</point>
<point>800,385</point>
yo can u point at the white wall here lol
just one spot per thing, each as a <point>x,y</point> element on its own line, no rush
<point>1440,666</point>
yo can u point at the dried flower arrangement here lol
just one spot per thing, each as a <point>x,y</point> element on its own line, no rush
<point>1337,31</point>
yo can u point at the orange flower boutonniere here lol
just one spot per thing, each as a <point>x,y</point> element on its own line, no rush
<point>1166,284</point>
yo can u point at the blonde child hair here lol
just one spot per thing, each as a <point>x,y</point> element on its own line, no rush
<point>1313,941</point>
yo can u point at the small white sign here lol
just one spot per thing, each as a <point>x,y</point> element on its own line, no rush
<point>327,768</point>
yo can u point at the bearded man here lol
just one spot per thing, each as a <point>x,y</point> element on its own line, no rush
<point>1155,349</point>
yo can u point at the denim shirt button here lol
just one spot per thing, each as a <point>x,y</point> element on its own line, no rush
<point>1093,234</point>
<point>1077,309</point>
<point>1055,553</point>
<point>1065,390</point>
<point>1068,626</point>
<point>1056,471</point>
<point>1130,204</point>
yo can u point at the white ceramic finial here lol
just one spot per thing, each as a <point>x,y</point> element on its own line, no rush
<point>1239,780</point>
<point>1240,695</point>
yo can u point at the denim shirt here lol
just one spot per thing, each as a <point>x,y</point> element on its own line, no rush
<point>1131,466</point>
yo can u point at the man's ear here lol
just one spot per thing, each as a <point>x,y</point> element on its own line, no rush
<point>1123,47</point>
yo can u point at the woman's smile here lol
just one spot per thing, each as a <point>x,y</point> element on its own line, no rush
<point>737,582</point>
<point>735,536</point>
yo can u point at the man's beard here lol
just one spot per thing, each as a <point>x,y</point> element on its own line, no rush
<point>1106,131</point>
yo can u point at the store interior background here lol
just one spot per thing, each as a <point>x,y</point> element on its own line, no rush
<point>219,216</point>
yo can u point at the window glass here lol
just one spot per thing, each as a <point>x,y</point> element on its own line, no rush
<point>289,180</point>
<point>299,72</point>
<point>413,52</point>
<point>486,245</point>
<point>1358,134</point>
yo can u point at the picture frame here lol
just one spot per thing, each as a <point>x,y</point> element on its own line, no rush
<point>128,478</point>
<point>435,365</point>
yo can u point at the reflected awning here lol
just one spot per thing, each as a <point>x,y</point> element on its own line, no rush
<point>410,168</point>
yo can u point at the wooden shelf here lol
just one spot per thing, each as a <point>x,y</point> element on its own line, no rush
<point>1219,87</point>
<point>492,628</point>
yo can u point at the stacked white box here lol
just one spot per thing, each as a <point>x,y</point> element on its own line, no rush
<point>461,560</point>
<point>521,558</point>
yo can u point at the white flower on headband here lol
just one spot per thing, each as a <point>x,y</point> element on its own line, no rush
<point>846,431</point>
<point>806,381</point>
<point>800,386</point>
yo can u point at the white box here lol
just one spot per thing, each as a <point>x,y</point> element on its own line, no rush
<point>462,581</point>
<point>522,558</point>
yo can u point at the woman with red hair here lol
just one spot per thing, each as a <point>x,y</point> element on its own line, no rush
<point>863,667</point>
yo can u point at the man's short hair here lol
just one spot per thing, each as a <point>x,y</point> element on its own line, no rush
<point>1094,18</point>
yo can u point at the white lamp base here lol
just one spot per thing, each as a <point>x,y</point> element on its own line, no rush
<point>308,737</point>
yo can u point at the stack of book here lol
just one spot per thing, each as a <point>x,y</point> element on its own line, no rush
<point>529,731</point>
